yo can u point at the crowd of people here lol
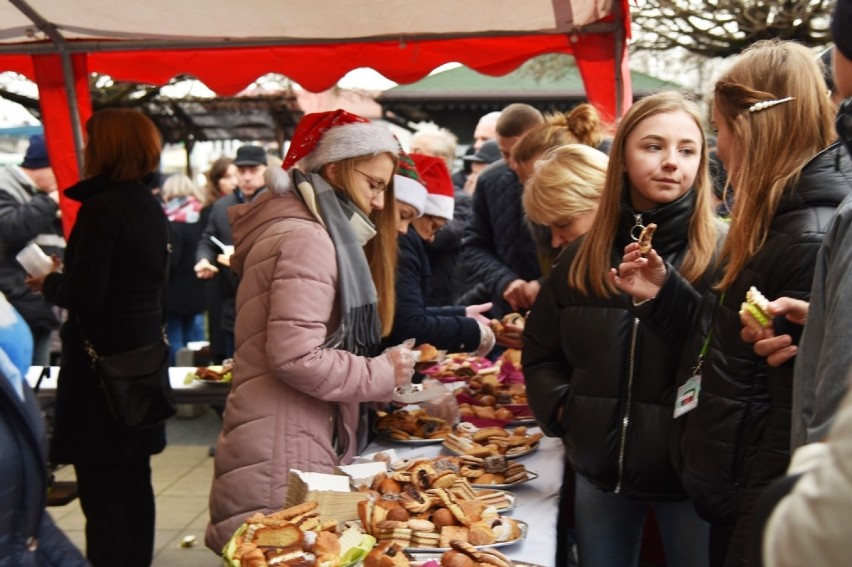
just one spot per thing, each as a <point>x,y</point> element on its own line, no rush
<point>671,400</point>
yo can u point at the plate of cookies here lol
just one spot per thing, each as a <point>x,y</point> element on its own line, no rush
<point>414,427</point>
<point>495,471</point>
<point>468,439</point>
<point>460,556</point>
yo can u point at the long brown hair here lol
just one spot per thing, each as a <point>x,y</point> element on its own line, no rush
<point>772,145</point>
<point>218,170</point>
<point>381,250</point>
<point>122,145</point>
<point>589,271</point>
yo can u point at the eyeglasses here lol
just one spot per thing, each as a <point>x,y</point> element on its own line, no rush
<point>377,186</point>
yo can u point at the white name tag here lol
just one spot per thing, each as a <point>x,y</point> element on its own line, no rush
<point>687,396</point>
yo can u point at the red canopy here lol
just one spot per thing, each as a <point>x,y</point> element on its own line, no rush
<point>322,44</point>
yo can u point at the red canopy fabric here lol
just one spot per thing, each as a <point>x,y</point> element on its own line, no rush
<point>317,66</point>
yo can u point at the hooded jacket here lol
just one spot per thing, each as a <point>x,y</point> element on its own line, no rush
<point>612,377</point>
<point>293,404</point>
<point>738,438</point>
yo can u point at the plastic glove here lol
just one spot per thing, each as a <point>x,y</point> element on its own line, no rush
<point>476,312</point>
<point>486,340</point>
<point>445,406</point>
<point>403,362</point>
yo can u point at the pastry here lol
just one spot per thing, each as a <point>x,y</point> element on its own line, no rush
<point>645,238</point>
<point>756,305</point>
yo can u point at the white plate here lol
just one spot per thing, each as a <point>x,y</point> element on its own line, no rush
<point>421,557</point>
<point>415,393</point>
<point>530,476</point>
<point>521,524</point>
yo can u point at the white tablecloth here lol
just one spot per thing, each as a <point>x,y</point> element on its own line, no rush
<point>537,501</point>
<point>197,392</point>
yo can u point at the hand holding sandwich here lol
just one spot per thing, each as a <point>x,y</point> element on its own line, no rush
<point>776,349</point>
<point>640,275</point>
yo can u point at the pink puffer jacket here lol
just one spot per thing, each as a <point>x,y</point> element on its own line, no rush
<point>289,396</point>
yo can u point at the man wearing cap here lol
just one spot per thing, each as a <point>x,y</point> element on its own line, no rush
<point>488,153</point>
<point>251,162</point>
<point>29,212</point>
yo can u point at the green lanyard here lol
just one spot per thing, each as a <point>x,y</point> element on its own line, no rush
<point>706,344</point>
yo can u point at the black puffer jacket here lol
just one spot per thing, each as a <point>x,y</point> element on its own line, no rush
<point>613,377</point>
<point>737,440</point>
<point>497,248</point>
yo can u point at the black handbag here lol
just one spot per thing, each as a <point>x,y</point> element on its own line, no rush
<point>136,384</point>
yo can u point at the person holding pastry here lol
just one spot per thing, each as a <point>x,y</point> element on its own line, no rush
<point>316,255</point>
<point>452,328</point>
<point>598,378</point>
<point>736,438</point>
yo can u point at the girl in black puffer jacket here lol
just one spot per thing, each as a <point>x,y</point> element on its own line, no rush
<point>598,377</point>
<point>737,439</point>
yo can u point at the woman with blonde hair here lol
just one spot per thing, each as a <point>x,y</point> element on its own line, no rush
<point>316,255</point>
<point>112,283</point>
<point>774,123</point>
<point>183,204</point>
<point>596,376</point>
<point>564,191</point>
<point>581,125</point>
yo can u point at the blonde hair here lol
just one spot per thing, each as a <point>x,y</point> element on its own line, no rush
<point>567,182</point>
<point>770,146</point>
<point>440,143</point>
<point>581,125</point>
<point>122,145</point>
<point>381,250</point>
<point>179,185</point>
<point>589,271</point>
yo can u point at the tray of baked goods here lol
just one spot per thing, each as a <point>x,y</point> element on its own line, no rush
<point>411,427</point>
<point>495,399</point>
<point>296,535</point>
<point>461,555</point>
<point>439,472</point>
<point>428,520</point>
<point>468,439</point>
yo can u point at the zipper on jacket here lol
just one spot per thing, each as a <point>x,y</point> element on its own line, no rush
<point>637,228</point>
<point>625,419</point>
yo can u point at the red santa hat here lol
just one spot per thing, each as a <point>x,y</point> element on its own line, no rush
<point>436,177</point>
<point>407,186</point>
<point>326,137</point>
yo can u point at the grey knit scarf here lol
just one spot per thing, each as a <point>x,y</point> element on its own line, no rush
<point>360,329</point>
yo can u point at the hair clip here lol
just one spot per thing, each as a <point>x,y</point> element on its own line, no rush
<point>764,104</point>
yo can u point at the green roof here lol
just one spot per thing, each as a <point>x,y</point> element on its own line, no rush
<point>562,79</point>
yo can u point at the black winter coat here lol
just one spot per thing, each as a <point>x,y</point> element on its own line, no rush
<point>112,286</point>
<point>186,291</point>
<point>449,275</point>
<point>610,374</point>
<point>497,248</point>
<point>738,438</point>
<point>28,536</point>
<point>443,327</point>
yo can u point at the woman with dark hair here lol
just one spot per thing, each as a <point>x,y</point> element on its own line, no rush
<point>112,284</point>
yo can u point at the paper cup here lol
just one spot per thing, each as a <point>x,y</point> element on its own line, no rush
<point>34,260</point>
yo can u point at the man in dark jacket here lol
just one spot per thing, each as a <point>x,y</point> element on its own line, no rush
<point>29,212</point>
<point>498,249</point>
<point>251,162</point>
